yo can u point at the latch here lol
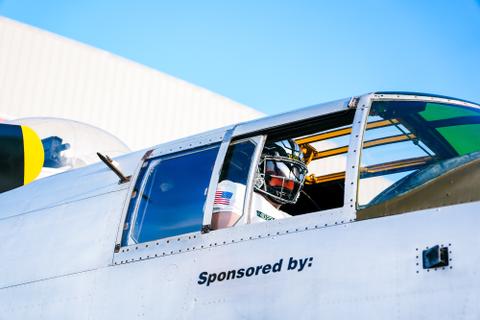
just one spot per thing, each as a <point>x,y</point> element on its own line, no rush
<point>435,257</point>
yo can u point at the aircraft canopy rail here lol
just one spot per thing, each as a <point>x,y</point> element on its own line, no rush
<point>312,154</point>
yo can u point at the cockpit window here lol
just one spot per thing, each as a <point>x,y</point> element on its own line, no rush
<point>169,197</point>
<point>410,144</point>
<point>291,170</point>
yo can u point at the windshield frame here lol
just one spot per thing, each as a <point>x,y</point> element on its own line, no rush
<point>400,97</point>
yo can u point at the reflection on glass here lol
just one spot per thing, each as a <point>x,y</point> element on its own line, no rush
<point>172,198</point>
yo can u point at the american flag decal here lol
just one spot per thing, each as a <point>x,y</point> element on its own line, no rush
<point>223,197</point>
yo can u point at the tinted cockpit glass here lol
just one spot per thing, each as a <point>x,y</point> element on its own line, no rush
<point>409,143</point>
<point>172,194</point>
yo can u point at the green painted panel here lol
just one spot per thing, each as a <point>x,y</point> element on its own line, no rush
<point>435,111</point>
<point>464,138</point>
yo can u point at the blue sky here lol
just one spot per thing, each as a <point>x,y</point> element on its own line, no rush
<point>280,55</point>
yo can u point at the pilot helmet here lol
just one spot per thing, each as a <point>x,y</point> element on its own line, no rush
<point>281,171</point>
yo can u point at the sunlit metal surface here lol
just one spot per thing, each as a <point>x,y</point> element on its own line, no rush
<point>59,258</point>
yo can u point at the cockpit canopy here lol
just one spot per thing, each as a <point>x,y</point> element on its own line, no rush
<point>70,144</point>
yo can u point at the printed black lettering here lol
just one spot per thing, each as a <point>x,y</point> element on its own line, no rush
<point>311,259</point>
<point>258,270</point>
<point>231,274</point>
<point>202,277</point>
<point>301,264</point>
<point>240,273</point>
<point>211,278</point>
<point>266,268</point>
<point>292,264</point>
<point>277,267</point>
<point>221,276</point>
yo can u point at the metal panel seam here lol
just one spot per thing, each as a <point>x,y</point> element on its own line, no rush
<point>62,203</point>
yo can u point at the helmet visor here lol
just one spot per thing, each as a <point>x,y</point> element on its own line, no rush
<point>284,177</point>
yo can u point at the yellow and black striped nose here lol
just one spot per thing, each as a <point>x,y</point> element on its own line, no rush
<point>21,156</point>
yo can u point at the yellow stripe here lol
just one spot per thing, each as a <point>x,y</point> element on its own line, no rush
<point>33,154</point>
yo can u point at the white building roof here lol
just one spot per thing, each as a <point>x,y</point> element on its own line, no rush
<point>43,74</point>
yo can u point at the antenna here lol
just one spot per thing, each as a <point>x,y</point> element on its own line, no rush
<point>109,162</point>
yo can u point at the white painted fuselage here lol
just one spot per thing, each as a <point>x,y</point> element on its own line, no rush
<point>61,259</point>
